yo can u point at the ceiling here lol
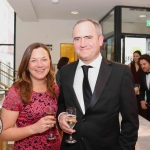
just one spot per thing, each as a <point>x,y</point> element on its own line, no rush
<point>34,10</point>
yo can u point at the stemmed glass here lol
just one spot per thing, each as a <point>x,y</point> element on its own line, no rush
<point>136,87</point>
<point>71,120</point>
<point>51,111</point>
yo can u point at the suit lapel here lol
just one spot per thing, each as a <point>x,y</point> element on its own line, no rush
<point>145,82</point>
<point>70,83</point>
<point>103,76</point>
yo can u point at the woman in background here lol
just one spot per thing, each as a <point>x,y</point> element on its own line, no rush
<point>63,61</point>
<point>136,71</point>
<point>25,106</point>
<point>135,67</point>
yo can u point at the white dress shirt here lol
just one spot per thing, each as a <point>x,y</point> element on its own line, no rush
<point>148,80</point>
<point>92,76</point>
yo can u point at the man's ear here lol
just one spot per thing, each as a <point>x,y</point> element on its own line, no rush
<point>101,38</point>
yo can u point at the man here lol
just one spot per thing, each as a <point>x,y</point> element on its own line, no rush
<point>112,86</point>
<point>145,84</point>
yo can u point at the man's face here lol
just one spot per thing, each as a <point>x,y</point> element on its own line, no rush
<point>86,41</point>
<point>145,65</point>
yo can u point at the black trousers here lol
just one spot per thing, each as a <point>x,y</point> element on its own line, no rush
<point>141,112</point>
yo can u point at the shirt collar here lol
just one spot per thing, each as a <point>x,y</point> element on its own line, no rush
<point>95,64</point>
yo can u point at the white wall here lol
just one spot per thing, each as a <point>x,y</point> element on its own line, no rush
<point>45,31</point>
<point>137,28</point>
<point>148,46</point>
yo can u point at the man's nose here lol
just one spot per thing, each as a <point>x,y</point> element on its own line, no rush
<point>83,42</point>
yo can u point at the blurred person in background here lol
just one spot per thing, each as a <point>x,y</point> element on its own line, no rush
<point>136,71</point>
<point>145,84</point>
<point>63,61</point>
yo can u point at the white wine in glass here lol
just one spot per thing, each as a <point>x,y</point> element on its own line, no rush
<point>71,120</point>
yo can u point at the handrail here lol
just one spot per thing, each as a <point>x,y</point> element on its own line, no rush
<point>6,86</point>
<point>5,90</point>
<point>8,74</point>
<point>9,67</point>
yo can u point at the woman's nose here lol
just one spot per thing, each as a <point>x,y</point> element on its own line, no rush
<point>39,63</point>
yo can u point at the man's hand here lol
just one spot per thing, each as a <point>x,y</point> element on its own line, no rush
<point>63,124</point>
<point>143,104</point>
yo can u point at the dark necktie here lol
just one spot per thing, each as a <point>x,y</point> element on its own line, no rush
<point>87,93</point>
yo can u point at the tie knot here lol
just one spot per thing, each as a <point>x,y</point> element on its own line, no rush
<point>86,68</point>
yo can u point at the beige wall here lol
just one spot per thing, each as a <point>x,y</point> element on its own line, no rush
<point>46,31</point>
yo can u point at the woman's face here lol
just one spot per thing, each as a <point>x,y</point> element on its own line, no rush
<point>39,64</point>
<point>136,57</point>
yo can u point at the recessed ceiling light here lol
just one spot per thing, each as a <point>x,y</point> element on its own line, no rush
<point>142,16</point>
<point>55,1</point>
<point>74,12</point>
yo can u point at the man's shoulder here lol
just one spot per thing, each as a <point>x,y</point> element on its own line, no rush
<point>116,64</point>
<point>69,67</point>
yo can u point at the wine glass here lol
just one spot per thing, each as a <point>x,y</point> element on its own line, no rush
<point>71,120</point>
<point>51,111</point>
<point>136,88</point>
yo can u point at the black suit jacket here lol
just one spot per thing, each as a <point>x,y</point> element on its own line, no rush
<point>144,88</point>
<point>98,128</point>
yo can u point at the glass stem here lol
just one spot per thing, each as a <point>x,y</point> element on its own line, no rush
<point>51,134</point>
<point>70,137</point>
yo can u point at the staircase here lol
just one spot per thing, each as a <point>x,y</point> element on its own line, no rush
<point>7,77</point>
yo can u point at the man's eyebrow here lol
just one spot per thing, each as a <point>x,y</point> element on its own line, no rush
<point>84,36</point>
<point>88,36</point>
<point>76,37</point>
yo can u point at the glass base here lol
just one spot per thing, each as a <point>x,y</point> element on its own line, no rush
<point>72,141</point>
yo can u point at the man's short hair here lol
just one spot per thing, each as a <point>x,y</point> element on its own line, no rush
<point>145,57</point>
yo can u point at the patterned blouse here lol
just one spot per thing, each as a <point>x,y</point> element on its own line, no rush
<point>29,114</point>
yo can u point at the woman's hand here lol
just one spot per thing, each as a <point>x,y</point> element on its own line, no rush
<point>43,124</point>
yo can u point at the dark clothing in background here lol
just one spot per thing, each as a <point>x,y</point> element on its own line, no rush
<point>145,91</point>
<point>136,76</point>
<point>58,78</point>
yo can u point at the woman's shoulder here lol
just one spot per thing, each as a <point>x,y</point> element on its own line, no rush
<point>56,87</point>
<point>12,100</point>
<point>13,90</point>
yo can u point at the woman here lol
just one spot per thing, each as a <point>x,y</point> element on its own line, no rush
<point>136,71</point>
<point>63,61</point>
<point>135,67</point>
<point>24,108</point>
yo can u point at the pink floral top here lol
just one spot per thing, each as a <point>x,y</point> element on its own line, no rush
<point>29,114</point>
